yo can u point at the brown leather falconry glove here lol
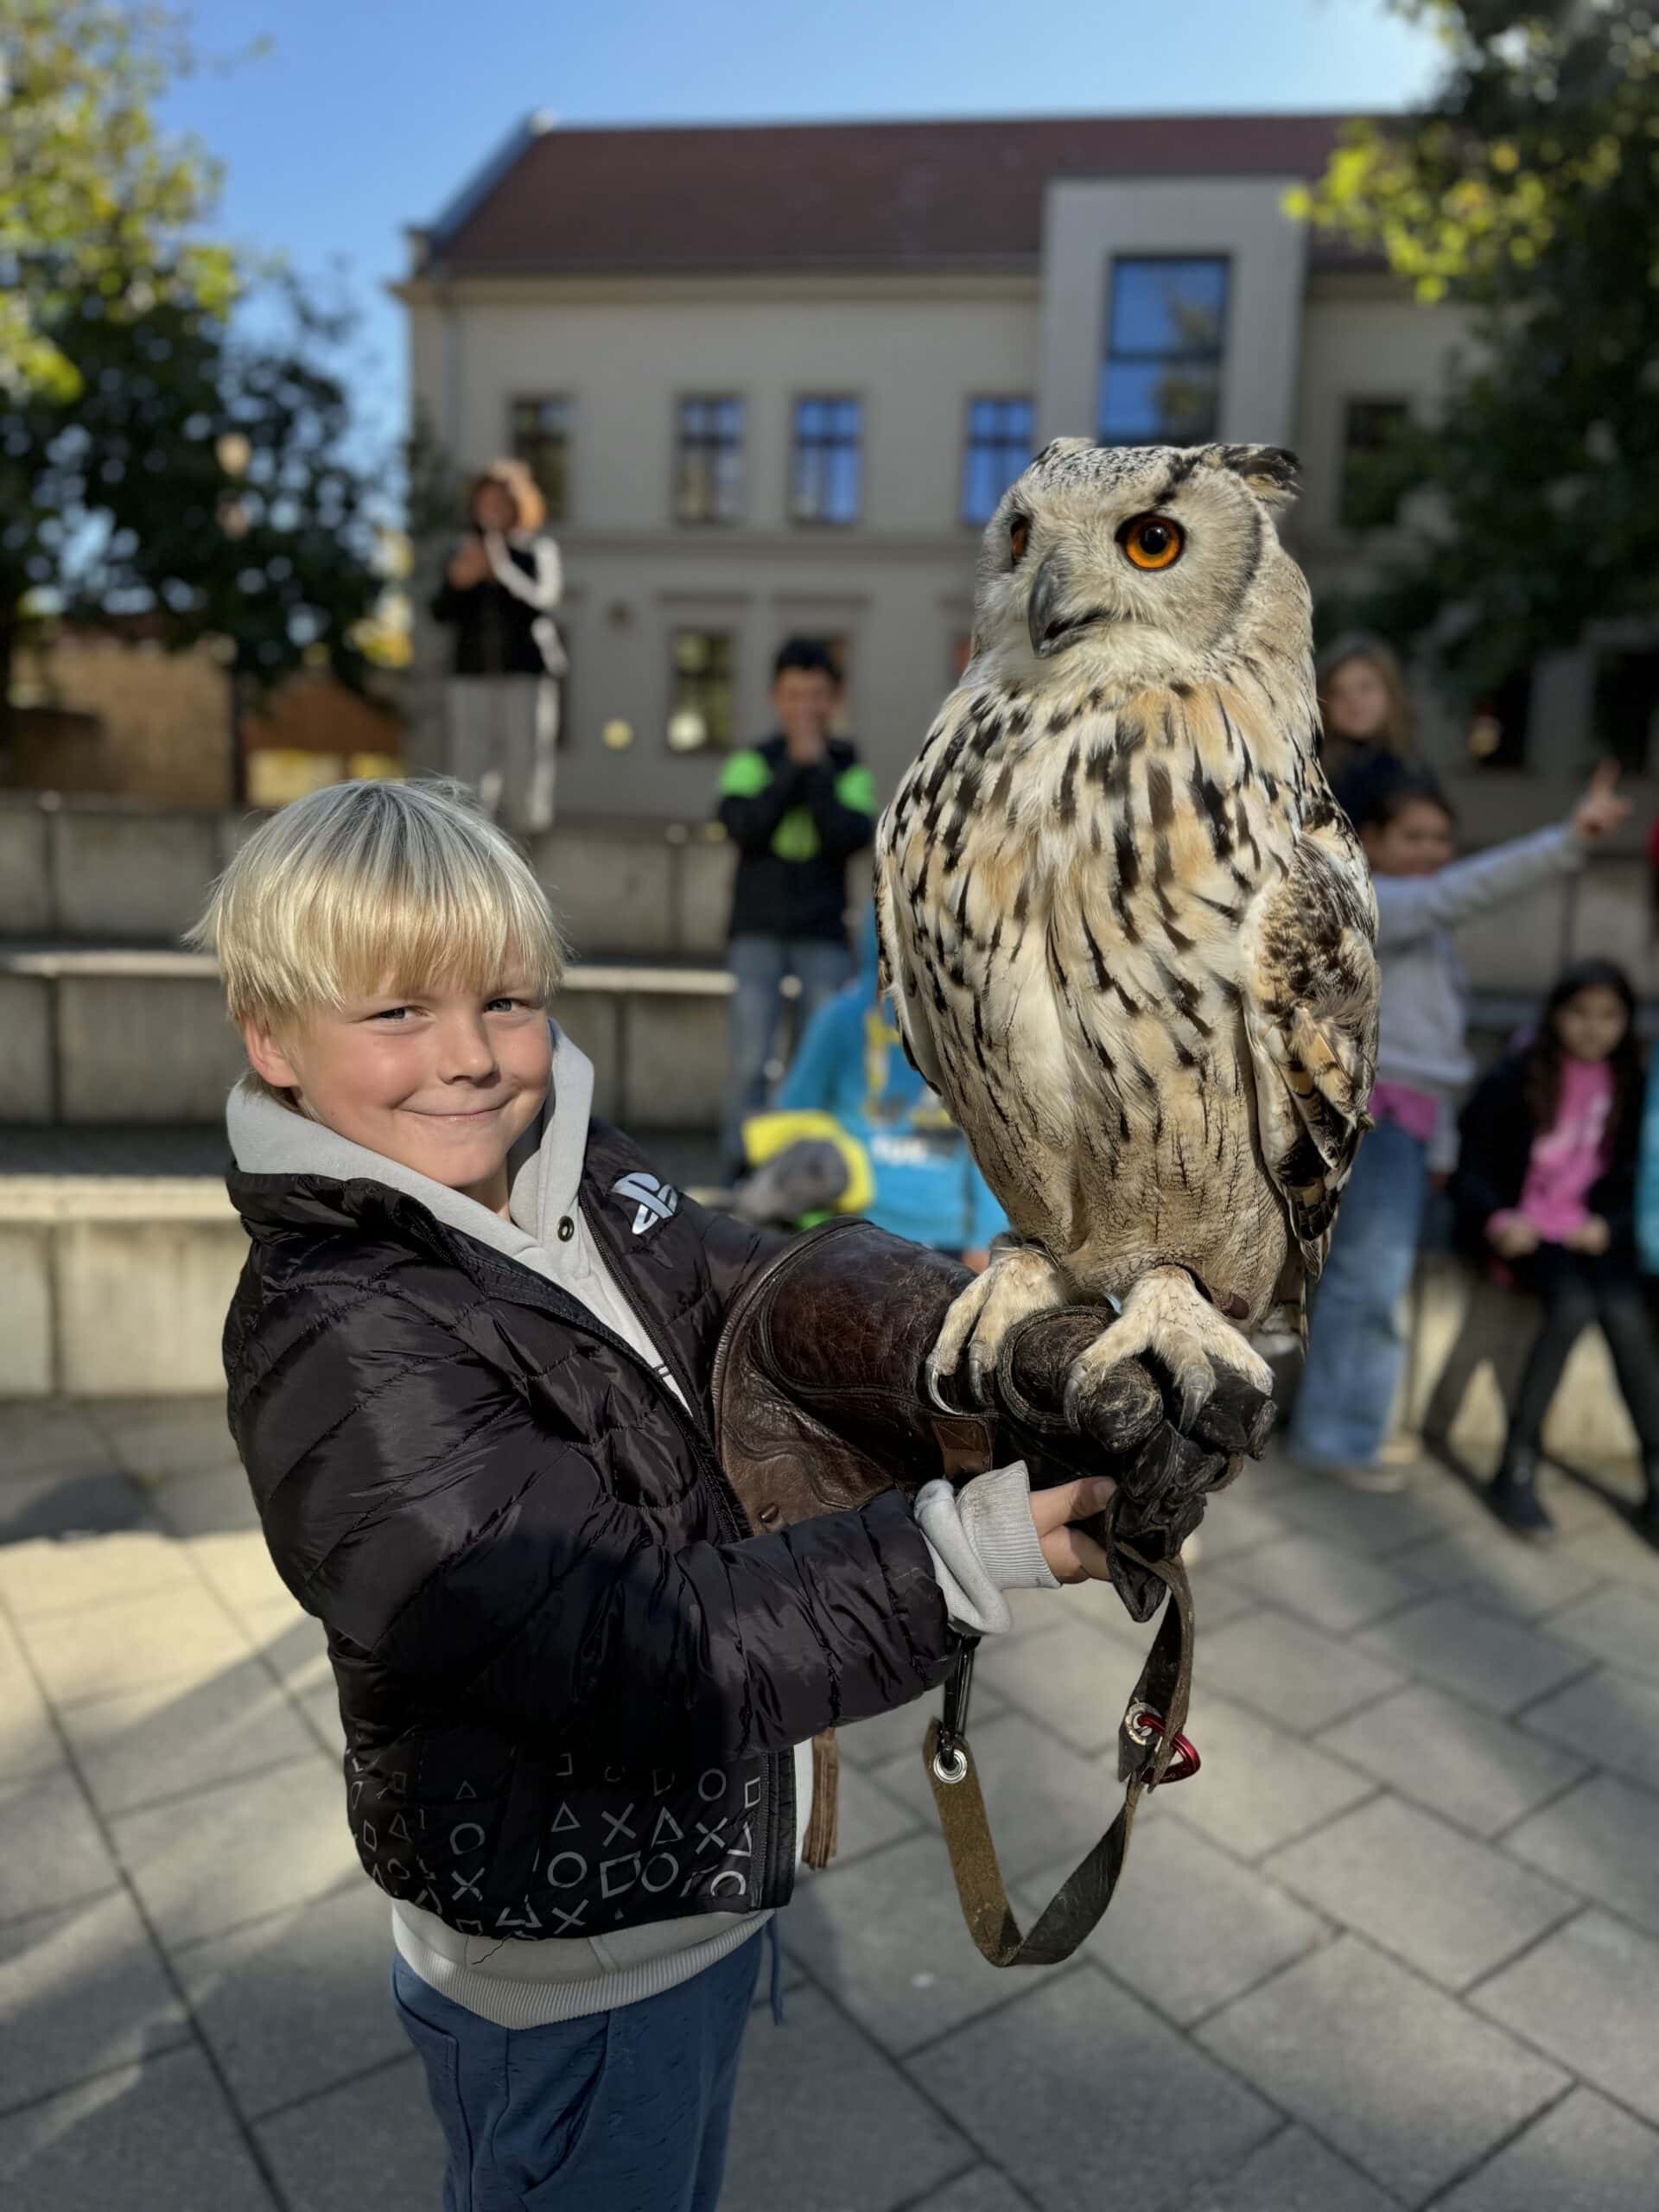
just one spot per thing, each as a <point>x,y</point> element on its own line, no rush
<point>820,1402</point>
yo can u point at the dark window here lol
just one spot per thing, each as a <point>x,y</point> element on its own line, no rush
<point>1627,709</point>
<point>700,688</point>
<point>1497,726</point>
<point>708,460</point>
<point>827,471</point>
<point>538,431</point>
<point>1166,336</point>
<point>998,447</point>
<point>1370,486</point>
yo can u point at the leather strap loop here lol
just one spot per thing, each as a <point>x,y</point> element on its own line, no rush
<point>1078,1905</point>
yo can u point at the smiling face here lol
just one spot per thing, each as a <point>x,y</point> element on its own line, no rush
<point>1141,564</point>
<point>443,1080</point>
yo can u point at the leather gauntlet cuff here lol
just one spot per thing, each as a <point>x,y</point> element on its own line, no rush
<point>819,1398</point>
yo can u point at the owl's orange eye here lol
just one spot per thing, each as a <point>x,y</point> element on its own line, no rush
<point>1019,537</point>
<point>1152,541</point>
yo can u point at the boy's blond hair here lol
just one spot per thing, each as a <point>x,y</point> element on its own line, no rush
<point>367,887</point>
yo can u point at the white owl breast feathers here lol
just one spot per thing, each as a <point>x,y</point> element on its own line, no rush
<point>1128,934</point>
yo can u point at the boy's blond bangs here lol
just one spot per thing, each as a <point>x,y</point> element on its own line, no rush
<point>372,887</point>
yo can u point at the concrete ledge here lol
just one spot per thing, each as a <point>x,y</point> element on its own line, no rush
<point>97,1035</point>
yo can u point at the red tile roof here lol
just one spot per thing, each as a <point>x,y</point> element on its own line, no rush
<point>857,196</point>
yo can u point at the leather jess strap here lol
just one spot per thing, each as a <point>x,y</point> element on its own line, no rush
<point>1149,1745</point>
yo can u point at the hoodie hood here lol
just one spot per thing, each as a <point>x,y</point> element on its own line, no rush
<point>543,1168</point>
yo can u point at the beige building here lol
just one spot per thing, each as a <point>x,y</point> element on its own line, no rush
<point>773,379</point>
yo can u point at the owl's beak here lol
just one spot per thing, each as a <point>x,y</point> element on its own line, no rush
<point>1045,610</point>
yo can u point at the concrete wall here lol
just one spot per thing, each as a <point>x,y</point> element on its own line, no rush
<point>1086,225</point>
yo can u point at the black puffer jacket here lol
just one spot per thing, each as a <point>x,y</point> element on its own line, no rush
<point>570,1678</point>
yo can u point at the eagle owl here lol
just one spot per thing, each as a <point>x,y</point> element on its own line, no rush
<point>1128,934</point>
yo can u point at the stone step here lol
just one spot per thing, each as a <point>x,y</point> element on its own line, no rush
<point>110,1035</point>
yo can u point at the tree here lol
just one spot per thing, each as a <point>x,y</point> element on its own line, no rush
<point>1530,192</point>
<point>94,200</point>
<point>200,477</point>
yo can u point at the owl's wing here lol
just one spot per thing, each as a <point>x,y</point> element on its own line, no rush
<point>1310,1013</point>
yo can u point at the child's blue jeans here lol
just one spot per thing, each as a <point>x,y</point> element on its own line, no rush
<point>1354,1348</point>
<point>626,2110</point>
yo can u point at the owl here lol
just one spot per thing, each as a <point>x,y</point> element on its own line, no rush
<point>1128,934</point>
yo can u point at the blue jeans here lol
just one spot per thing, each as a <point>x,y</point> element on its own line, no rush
<point>1355,1345</point>
<point>759,966</point>
<point>626,2110</point>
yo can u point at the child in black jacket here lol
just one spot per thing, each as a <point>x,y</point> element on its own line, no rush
<point>1546,1181</point>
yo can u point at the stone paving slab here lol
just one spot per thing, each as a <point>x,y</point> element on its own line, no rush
<point>82,1992</point>
<point>1619,1625</point>
<point>371,2145</point>
<point>1295,1674</point>
<point>884,1935</point>
<point>1495,1572</point>
<point>293,2002</point>
<point>164,1439</point>
<point>48,1506</point>
<point>1608,1716</point>
<point>55,1853</point>
<point>1451,1907</point>
<point>54,1575</point>
<point>1293,2173</point>
<point>1190,1928</point>
<point>1480,1772</point>
<point>1590,1997</point>
<point>1584,2155</point>
<point>1033,2086</point>
<point>1399,2078</point>
<point>1379,1527</point>
<point>156,2138</point>
<point>236,1564</point>
<point>869,1815</point>
<point>168,1636</point>
<point>53,1437</point>
<point>1239,1520</point>
<point>1323,1584</point>
<point>1493,1662</point>
<point>28,1742</point>
<point>824,2122</point>
<point>1603,1838</point>
<point>168,1741</point>
<point>982,2190</point>
<point>203,1865</point>
<point>1259,1786</point>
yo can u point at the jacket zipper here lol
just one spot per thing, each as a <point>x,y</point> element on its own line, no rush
<point>778,1769</point>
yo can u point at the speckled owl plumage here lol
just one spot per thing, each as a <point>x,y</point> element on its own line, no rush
<point>1128,933</point>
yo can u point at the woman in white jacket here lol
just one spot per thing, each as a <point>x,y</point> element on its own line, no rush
<point>500,586</point>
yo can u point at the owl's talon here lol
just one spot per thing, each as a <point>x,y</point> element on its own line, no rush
<point>1213,1373</point>
<point>1018,1280</point>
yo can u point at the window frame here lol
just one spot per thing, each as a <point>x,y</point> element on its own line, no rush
<point>732,641</point>
<point>798,400</point>
<point>1112,354</point>
<point>971,446</point>
<point>739,513</point>
<point>559,511</point>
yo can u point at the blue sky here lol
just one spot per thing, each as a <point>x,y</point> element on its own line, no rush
<point>359,118</point>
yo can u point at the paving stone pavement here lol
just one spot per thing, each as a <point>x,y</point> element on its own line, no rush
<point>1397,1946</point>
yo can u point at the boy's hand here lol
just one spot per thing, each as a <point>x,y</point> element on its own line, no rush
<point>468,564</point>
<point>1591,1237</point>
<point>1072,1556</point>
<point>1601,808</point>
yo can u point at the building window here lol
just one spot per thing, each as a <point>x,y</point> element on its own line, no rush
<point>827,471</point>
<point>1166,337</point>
<point>708,460</point>
<point>1370,486</point>
<point>1627,708</point>
<point>538,432</point>
<point>700,700</point>
<point>998,447</point>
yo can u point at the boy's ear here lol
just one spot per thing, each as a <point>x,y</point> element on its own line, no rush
<point>266,1057</point>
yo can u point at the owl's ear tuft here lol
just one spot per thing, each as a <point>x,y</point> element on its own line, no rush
<point>1272,472</point>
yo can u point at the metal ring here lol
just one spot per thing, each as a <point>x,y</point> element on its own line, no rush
<point>953,1772</point>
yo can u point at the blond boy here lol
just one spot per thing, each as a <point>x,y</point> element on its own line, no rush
<point>469,1363</point>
